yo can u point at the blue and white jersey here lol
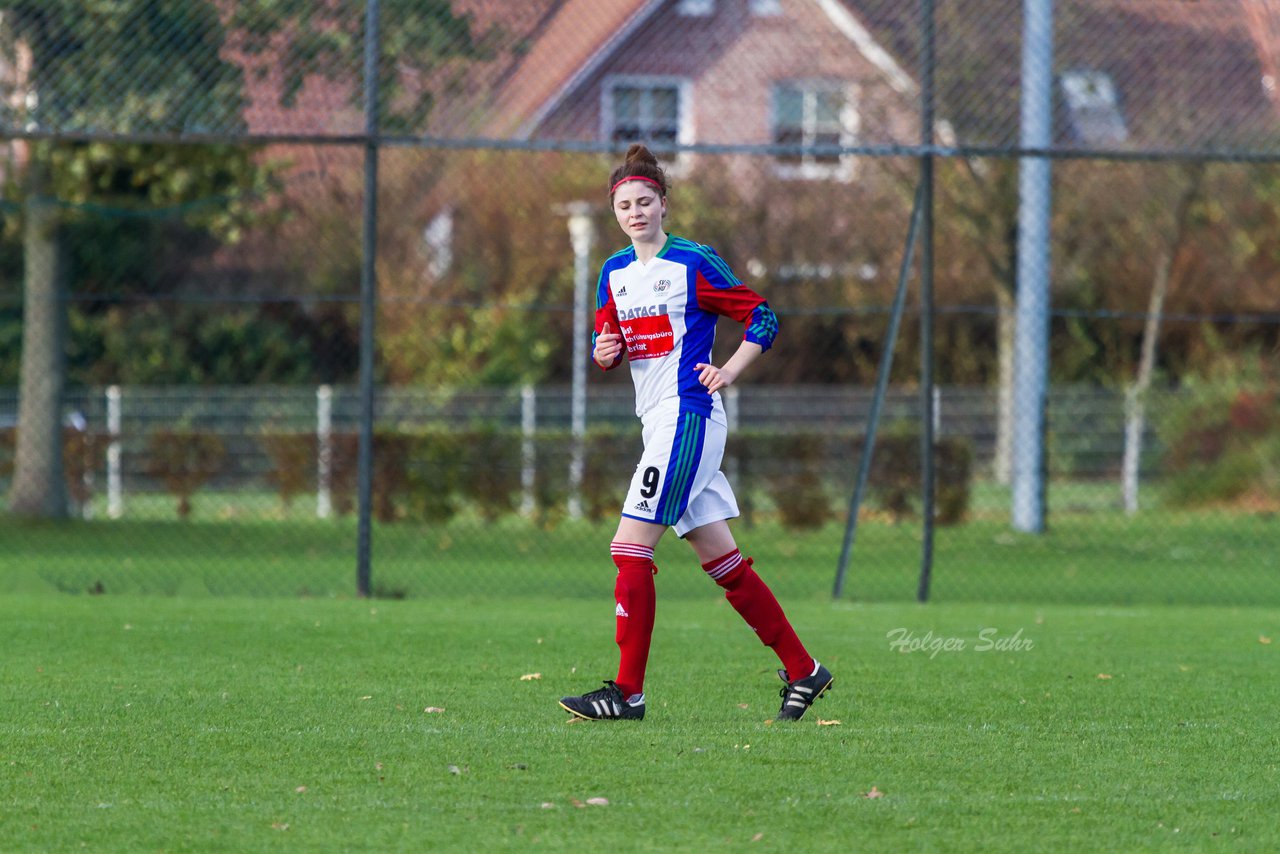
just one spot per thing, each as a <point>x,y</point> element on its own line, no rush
<point>666,311</point>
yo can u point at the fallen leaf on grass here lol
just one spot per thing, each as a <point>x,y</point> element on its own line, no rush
<point>529,677</point>
<point>433,710</point>
<point>455,770</point>
<point>547,805</point>
<point>1104,675</point>
<point>821,722</point>
<point>279,825</point>
<point>1264,639</point>
<point>743,706</point>
<point>757,837</point>
<point>367,697</point>
<point>874,793</point>
<point>300,789</point>
<point>598,802</point>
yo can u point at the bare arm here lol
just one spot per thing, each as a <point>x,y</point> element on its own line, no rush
<point>717,378</point>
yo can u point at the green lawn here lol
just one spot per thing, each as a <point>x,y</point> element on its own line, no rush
<point>134,723</point>
<point>1094,557</point>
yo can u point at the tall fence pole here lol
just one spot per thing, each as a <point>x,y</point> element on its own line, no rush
<point>581,233</point>
<point>528,450</point>
<point>1031,349</point>
<point>324,452</point>
<point>115,481</point>
<point>368,300</point>
<point>926,306</point>
<point>882,388</point>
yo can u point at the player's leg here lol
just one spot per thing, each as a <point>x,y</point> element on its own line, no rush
<point>651,498</point>
<point>636,600</point>
<point>636,604</point>
<point>750,596</point>
<point>806,680</point>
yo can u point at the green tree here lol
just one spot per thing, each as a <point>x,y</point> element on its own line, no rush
<point>129,66</point>
<point>157,67</point>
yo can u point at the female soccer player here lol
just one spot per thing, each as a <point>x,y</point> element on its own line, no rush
<point>658,302</point>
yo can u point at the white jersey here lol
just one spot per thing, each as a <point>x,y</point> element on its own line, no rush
<point>666,311</point>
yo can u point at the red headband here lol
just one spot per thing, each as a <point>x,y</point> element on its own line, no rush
<point>634,178</point>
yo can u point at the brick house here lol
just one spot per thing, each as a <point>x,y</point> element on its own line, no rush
<point>709,72</point>
<point>1128,74</point>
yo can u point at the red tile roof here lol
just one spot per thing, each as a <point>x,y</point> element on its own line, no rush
<point>573,35</point>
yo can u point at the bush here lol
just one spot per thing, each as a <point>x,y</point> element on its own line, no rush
<point>293,463</point>
<point>895,479</point>
<point>1223,439</point>
<point>791,470</point>
<point>184,461</point>
<point>81,455</point>
<point>492,476</point>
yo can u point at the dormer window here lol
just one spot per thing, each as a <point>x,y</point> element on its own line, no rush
<point>640,108</point>
<point>1093,109</point>
<point>814,114</point>
<point>696,8</point>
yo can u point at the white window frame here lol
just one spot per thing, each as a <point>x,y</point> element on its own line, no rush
<point>809,169</point>
<point>766,8</point>
<point>696,8</point>
<point>684,104</point>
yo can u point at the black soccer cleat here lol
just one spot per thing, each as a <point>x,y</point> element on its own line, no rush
<point>606,704</point>
<point>799,695</point>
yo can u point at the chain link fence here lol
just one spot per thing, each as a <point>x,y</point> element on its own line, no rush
<point>292,295</point>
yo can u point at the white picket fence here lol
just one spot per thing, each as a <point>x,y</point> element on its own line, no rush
<point>1091,434</point>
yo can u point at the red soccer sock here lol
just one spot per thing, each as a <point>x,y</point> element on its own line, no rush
<point>637,603</point>
<point>755,602</point>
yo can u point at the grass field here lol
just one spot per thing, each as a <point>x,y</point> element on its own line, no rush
<point>1169,558</point>
<point>1106,686</point>
<point>135,723</point>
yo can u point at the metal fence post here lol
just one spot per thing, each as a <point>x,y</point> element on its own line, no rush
<point>581,233</point>
<point>528,449</point>
<point>115,489</point>
<point>324,452</point>
<point>1031,349</point>
<point>368,300</point>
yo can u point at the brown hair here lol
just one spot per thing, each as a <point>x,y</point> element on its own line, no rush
<point>640,162</point>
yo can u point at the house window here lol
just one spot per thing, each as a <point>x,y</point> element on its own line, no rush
<point>699,8</point>
<point>643,110</point>
<point>1093,110</point>
<point>766,8</point>
<point>809,115</point>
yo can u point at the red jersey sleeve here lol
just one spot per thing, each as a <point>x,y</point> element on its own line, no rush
<point>606,312</point>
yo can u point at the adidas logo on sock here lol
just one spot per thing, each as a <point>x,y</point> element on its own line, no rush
<point>644,505</point>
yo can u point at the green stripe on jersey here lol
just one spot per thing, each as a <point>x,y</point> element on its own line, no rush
<point>714,259</point>
<point>686,463</point>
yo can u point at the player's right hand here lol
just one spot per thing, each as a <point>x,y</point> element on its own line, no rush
<point>608,346</point>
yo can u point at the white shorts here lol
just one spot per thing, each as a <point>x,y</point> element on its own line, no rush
<point>678,481</point>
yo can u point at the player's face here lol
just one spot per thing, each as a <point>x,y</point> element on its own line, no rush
<point>639,209</point>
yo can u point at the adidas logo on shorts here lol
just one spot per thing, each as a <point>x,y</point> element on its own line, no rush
<point>644,505</point>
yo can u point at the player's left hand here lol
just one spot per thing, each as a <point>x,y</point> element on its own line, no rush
<point>713,378</point>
